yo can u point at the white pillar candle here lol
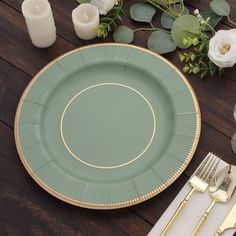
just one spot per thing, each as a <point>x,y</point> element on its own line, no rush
<point>40,22</point>
<point>85,19</point>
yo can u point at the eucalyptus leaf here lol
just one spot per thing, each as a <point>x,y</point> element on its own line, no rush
<point>83,1</point>
<point>161,42</point>
<point>220,7</point>
<point>184,26</point>
<point>214,18</point>
<point>167,21</point>
<point>185,11</point>
<point>142,12</point>
<point>123,34</point>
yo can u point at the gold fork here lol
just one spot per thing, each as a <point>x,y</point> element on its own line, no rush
<point>199,182</point>
<point>220,191</point>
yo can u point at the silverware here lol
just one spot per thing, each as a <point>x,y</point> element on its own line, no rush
<point>199,182</point>
<point>221,189</point>
<point>233,139</point>
<point>229,221</point>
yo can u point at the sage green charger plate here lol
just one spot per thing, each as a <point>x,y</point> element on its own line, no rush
<point>107,126</point>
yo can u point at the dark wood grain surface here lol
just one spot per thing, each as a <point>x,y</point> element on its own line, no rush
<point>26,209</point>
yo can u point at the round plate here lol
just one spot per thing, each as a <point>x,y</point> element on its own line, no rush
<point>107,126</point>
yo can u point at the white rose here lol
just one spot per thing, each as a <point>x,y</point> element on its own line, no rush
<point>222,48</point>
<point>103,5</point>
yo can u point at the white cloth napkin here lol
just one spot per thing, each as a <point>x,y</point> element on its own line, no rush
<point>188,218</point>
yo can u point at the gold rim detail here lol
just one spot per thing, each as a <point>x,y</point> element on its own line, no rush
<point>121,204</point>
<point>115,166</point>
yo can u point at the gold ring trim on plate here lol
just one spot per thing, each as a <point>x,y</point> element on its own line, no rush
<point>121,204</point>
<point>125,163</point>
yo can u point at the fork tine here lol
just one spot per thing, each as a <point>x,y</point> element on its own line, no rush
<point>202,166</point>
<point>207,167</point>
<point>213,170</point>
<point>226,182</point>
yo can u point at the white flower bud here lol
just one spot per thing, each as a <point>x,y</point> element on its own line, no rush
<point>196,12</point>
<point>202,22</point>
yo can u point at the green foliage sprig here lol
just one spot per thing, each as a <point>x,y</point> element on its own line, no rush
<point>196,60</point>
<point>110,21</point>
<point>180,29</point>
<point>160,40</point>
<point>173,8</point>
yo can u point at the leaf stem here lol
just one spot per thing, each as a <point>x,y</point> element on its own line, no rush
<point>172,10</point>
<point>161,8</point>
<point>151,29</point>
<point>221,70</point>
<point>182,7</point>
<point>232,22</point>
<point>211,28</point>
<point>205,35</point>
<point>152,25</point>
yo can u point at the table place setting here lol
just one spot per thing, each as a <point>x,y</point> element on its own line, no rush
<point>209,51</point>
<point>199,208</point>
<point>110,125</point>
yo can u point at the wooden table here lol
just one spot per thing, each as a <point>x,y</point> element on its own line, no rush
<point>26,209</point>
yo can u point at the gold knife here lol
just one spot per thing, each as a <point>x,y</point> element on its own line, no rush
<point>229,222</point>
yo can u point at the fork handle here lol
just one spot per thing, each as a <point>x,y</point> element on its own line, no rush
<point>177,212</point>
<point>203,218</point>
<point>218,234</point>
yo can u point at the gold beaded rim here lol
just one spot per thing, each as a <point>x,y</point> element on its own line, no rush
<point>113,205</point>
